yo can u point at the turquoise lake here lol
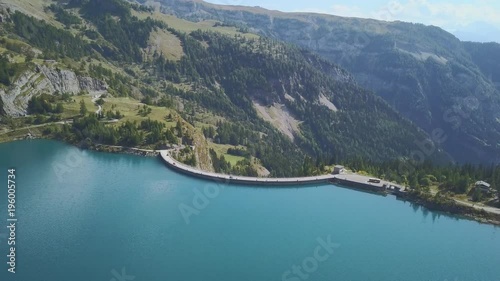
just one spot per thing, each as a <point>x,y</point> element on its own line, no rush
<point>90,216</point>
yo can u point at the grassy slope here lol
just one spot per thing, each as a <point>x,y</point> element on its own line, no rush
<point>188,26</point>
<point>72,108</point>
<point>163,42</point>
<point>130,109</point>
<point>221,149</point>
<point>34,8</point>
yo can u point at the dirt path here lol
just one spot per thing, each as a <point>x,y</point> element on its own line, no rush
<point>3,132</point>
<point>35,126</point>
<point>99,108</point>
<point>479,206</point>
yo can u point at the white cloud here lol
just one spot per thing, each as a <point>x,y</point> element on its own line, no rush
<point>447,14</point>
<point>478,18</point>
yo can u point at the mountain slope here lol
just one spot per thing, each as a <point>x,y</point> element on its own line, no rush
<point>485,56</point>
<point>424,72</point>
<point>276,104</point>
<point>267,73</point>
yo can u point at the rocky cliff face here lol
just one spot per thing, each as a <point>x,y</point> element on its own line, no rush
<point>43,79</point>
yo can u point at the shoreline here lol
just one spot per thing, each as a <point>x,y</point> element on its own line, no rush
<point>122,149</point>
<point>449,206</point>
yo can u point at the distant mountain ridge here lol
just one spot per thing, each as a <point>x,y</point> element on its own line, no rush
<point>426,73</point>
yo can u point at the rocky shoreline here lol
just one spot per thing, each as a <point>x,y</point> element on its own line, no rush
<point>97,147</point>
<point>448,206</point>
<point>122,149</point>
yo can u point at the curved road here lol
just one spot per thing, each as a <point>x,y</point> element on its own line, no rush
<point>174,164</point>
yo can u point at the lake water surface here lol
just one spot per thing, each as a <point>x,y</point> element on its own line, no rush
<point>90,216</point>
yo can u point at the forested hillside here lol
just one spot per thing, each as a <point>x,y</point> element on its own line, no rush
<point>485,56</point>
<point>272,104</point>
<point>265,72</point>
<point>427,74</point>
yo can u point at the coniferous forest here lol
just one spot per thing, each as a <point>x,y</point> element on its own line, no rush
<point>227,76</point>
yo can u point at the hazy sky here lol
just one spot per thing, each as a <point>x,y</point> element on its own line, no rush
<point>481,16</point>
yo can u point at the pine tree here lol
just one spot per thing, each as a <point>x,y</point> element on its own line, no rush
<point>83,108</point>
<point>59,108</point>
<point>179,128</point>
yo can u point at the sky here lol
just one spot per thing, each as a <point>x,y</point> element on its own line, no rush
<point>477,20</point>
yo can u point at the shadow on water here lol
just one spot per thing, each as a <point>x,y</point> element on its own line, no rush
<point>238,185</point>
<point>436,215</point>
<point>360,190</point>
<point>274,187</point>
<point>57,152</point>
<point>30,149</point>
<point>123,158</point>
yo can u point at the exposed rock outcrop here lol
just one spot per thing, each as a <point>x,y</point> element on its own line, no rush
<point>42,79</point>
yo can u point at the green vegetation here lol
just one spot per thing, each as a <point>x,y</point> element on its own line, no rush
<point>145,111</point>
<point>73,104</point>
<point>125,37</point>
<point>129,110</point>
<point>233,134</point>
<point>8,70</point>
<point>238,152</point>
<point>90,130</point>
<point>215,86</point>
<point>223,150</point>
<point>186,156</point>
<point>113,115</point>
<point>118,83</point>
<point>424,72</point>
<point>55,42</point>
<point>482,54</point>
<point>221,165</point>
<point>83,108</point>
<point>453,179</point>
<point>477,195</point>
<point>45,104</point>
<point>63,16</point>
<point>128,34</point>
<point>247,71</point>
